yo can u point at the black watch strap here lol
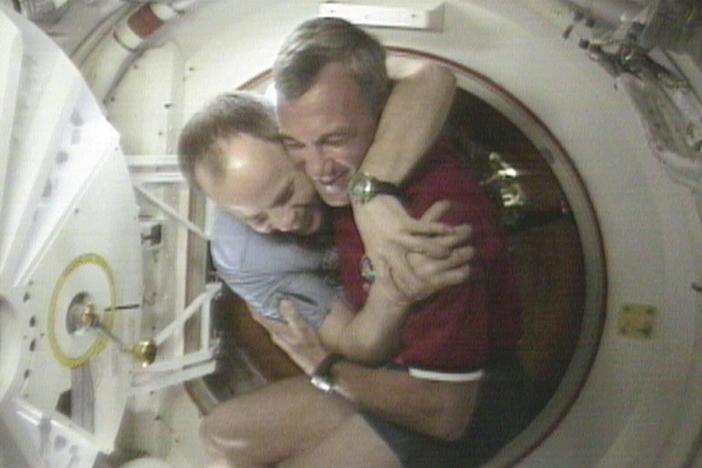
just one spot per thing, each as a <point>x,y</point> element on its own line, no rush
<point>364,187</point>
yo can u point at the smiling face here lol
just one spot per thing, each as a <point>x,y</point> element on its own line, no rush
<point>328,131</point>
<point>261,187</point>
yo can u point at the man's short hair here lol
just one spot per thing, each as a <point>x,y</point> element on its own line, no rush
<point>320,41</point>
<point>202,139</point>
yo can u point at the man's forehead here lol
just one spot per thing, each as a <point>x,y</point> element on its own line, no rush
<point>256,183</point>
<point>335,92</point>
<point>304,121</point>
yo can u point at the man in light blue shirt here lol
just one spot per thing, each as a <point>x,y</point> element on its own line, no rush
<point>265,268</point>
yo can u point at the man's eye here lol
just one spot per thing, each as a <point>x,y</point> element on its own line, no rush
<point>292,145</point>
<point>335,140</point>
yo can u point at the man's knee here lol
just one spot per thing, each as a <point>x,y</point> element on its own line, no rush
<point>232,432</point>
<point>223,431</point>
<point>210,437</point>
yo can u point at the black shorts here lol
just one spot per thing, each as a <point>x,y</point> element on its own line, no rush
<point>501,412</point>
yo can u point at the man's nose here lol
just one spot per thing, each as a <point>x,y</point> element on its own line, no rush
<point>314,163</point>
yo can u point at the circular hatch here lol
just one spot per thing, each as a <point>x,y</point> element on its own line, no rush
<point>554,242</point>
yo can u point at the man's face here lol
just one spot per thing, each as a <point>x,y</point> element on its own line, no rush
<point>261,187</point>
<point>328,131</point>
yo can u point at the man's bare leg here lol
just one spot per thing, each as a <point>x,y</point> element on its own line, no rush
<point>353,444</point>
<point>279,421</point>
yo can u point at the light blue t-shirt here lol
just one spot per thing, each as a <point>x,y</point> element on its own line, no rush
<point>265,268</point>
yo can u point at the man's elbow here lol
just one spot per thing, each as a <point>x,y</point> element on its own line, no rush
<point>442,77</point>
<point>452,413</point>
<point>445,426</point>
<point>450,427</point>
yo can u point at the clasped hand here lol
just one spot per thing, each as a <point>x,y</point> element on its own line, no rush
<point>413,257</point>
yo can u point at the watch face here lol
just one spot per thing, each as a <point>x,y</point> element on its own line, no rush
<point>366,188</point>
<point>361,188</point>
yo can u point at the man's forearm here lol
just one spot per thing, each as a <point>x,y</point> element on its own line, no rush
<point>438,409</point>
<point>412,119</point>
<point>373,335</point>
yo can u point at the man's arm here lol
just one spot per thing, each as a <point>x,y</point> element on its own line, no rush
<point>438,409</point>
<point>412,118</point>
<point>372,335</point>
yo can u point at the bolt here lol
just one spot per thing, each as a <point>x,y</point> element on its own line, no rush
<point>89,318</point>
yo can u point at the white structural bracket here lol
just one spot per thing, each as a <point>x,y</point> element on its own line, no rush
<point>160,169</point>
<point>427,18</point>
<point>154,169</point>
<point>189,365</point>
<point>166,209</point>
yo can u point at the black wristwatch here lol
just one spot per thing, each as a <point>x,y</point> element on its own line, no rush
<point>363,187</point>
<point>321,376</point>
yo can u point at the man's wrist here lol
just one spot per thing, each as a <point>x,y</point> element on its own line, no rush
<point>337,373</point>
<point>380,171</point>
<point>364,187</point>
<point>321,377</point>
<point>385,296</point>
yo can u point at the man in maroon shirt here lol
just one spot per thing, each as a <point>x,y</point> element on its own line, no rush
<point>330,83</point>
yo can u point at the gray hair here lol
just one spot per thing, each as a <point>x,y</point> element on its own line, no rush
<point>201,140</point>
<point>320,41</point>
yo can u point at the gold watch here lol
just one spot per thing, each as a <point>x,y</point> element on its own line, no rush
<point>363,187</point>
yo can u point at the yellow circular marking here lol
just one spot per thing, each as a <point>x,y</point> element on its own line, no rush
<point>100,342</point>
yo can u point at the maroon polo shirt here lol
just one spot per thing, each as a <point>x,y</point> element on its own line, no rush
<point>455,329</point>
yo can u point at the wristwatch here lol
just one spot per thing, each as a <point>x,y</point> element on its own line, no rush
<point>363,187</point>
<point>321,376</point>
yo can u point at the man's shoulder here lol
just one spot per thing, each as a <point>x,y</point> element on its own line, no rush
<point>236,247</point>
<point>224,224</point>
<point>229,232</point>
<point>230,241</point>
<point>444,170</point>
<point>447,175</point>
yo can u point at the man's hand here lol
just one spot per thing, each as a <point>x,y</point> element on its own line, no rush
<point>413,251</point>
<point>299,340</point>
<point>435,275</point>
